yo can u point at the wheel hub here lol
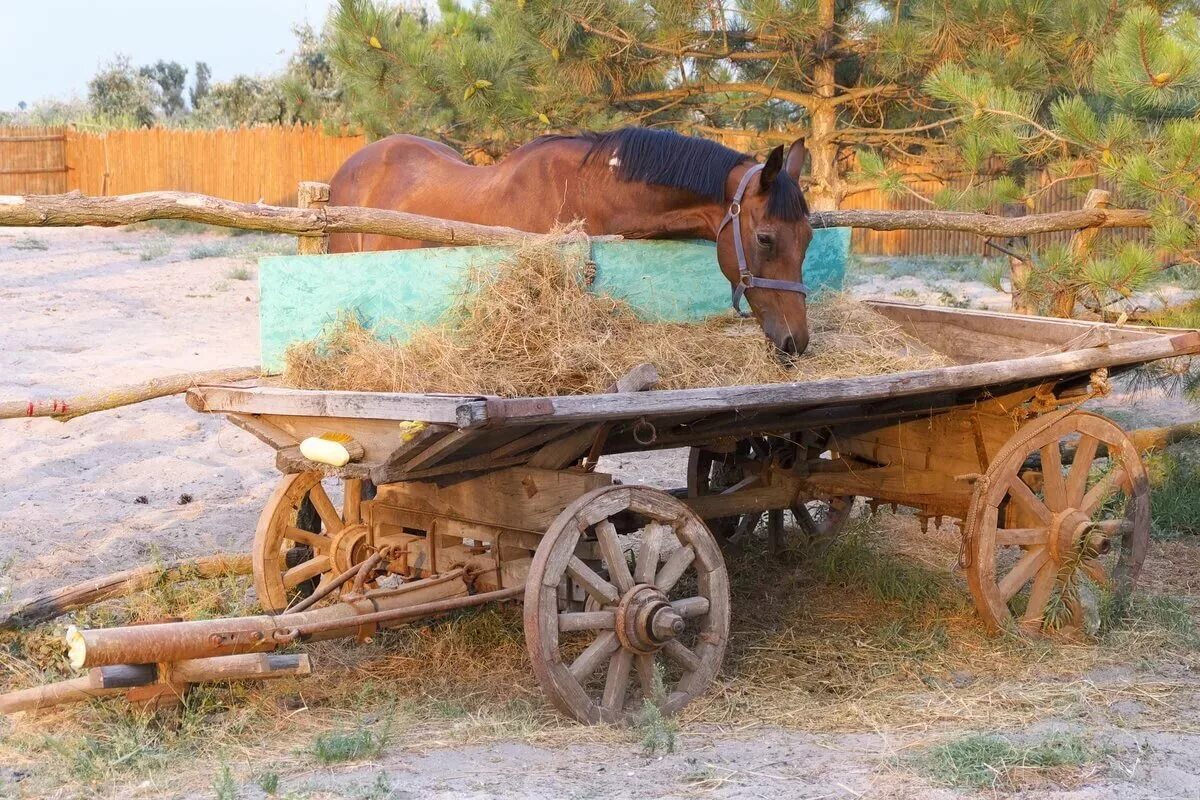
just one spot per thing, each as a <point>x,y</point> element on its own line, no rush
<point>645,620</point>
<point>1070,531</point>
<point>350,547</point>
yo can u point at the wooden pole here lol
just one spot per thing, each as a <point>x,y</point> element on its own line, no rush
<point>120,584</point>
<point>78,405</point>
<point>67,210</point>
<point>120,678</point>
<point>1062,303</point>
<point>311,194</point>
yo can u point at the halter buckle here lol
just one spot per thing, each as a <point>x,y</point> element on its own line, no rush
<point>735,209</point>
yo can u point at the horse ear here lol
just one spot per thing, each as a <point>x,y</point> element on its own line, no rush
<point>795,158</point>
<point>771,168</point>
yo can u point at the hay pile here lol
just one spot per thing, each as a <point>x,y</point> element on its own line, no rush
<point>530,327</point>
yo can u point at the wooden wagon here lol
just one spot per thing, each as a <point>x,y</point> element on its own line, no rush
<point>456,500</point>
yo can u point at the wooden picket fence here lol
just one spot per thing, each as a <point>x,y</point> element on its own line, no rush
<point>246,164</point>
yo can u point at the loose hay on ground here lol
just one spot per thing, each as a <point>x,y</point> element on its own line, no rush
<point>849,642</point>
<point>530,327</point>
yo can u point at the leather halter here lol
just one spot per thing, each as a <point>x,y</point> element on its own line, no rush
<point>745,279</point>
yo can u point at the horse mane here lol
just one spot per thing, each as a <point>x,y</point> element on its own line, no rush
<point>666,158</point>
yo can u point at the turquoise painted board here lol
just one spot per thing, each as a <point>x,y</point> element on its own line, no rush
<point>394,291</point>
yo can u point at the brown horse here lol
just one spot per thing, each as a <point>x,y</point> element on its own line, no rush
<point>636,182</point>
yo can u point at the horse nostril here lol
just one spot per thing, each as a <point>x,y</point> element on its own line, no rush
<point>789,346</point>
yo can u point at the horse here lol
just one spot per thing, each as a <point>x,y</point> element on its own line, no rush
<point>637,182</point>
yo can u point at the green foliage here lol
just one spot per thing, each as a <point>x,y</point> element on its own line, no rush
<point>268,782</point>
<point>985,760</point>
<point>169,77</point>
<point>224,787</point>
<point>333,747</point>
<point>122,94</point>
<point>1174,476</point>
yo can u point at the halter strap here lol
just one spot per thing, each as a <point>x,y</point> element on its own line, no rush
<point>745,279</point>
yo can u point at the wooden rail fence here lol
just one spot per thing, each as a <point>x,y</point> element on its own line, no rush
<point>265,164</point>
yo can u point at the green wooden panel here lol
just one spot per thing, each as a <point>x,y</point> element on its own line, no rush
<point>393,291</point>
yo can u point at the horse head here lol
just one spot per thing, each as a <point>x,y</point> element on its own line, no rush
<point>762,252</point>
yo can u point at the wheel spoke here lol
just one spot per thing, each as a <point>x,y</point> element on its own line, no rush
<point>614,556</point>
<point>648,678</point>
<point>1024,496</point>
<point>804,519</point>
<point>682,656</point>
<point>1053,487</point>
<point>1103,488</point>
<point>649,553</point>
<point>616,684</point>
<point>586,620</point>
<point>1081,467</point>
<point>1022,536</point>
<point>604,592</point>
<point>316,541</point>
<point>1024,569</point>
<point>594,655</point>
<point>691,607</point>
<point>673,570</point>
<point>325,509</point>
<point>302,572</point>
<point>352,501</point>
<point>1039,596</point>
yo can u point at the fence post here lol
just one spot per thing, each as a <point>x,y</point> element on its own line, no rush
<point>312,194</point>
<point>1080,249</point>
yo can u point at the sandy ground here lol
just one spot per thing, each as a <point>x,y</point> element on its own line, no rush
<point>108,491</point>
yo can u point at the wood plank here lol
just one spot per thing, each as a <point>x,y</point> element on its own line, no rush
<point>520,498</point>
<point>460,410</point>
<point>857,390</point>
<point>440,450</point>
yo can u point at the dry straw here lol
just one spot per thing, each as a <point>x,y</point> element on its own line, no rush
<point>530,327</point>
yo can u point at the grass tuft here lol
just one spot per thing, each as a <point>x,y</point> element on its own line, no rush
<point>984,760</point>
<point>155,248</point>
<point>1174,476</point>
<point>268,782</point>
<point>334,747</point>
<point>28,242</point>
<point>224,787</point>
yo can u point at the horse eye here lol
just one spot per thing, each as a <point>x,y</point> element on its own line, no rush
<point>765,239</point>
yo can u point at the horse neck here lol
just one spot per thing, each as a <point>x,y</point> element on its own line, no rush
<point>638,211</point>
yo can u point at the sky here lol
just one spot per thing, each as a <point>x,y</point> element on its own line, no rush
<point>50,48</point>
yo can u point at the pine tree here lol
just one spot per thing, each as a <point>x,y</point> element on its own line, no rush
<point>1096,92</point>
<point>761,72</point>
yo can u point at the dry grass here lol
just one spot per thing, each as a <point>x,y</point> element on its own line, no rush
<point>878,634</point>
<point>531,327</point>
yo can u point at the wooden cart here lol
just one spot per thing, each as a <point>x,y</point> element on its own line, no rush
<point>625,587</point>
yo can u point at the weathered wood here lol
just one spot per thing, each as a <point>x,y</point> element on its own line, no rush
<point>462,410</point>
<point>982,224</point>
<point>518,498</point>
<point>69,210</point>
<point>104,399</point>
<point>311,194</point>
<point>569,448</point>
<point>76,209</point>
<point>795,395</point>
<point>121,678</point>
<point>120,584</point>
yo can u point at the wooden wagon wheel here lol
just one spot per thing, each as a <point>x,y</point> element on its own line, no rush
<point>661,595</point>
<point>1083,526</point>
<point>302,539</point>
